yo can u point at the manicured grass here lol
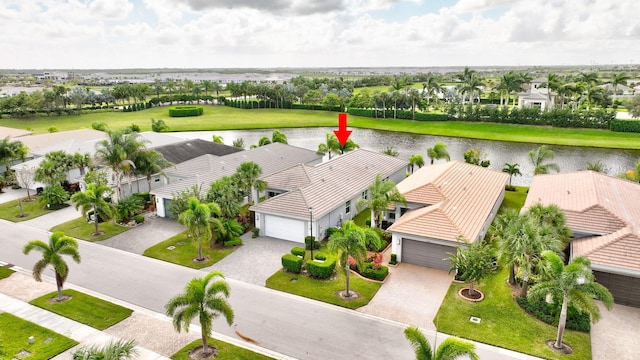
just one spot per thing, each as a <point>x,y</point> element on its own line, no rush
<point>227,118</point>
<point>186,249</point>
<point>31,209</point>
<point>362,217</point>
<point>514,199</point>
<point>81,229</point>
<point>226,351</point>
<point>503,323</point>
<point>325,290</point>
<point>5,272</point>
<point>15,332</point>
<point>85,309</point>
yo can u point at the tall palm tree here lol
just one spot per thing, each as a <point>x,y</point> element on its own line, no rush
<point>431,87</point>
<point>94,198</point>
<point>11,150</point>
<point>199,221</point>
<point>59,245</point>
<point>539,159</point>
<point>82,161</point>
<point>618,79</point>
<point>450,349</point>
<point>415,160</point>
<point>149,162</point>
<point>380,194</point>
<point>331,145</point>
<point>117,153</point>
<point>248,174</point>
<point>438,151</point>
<point>351,240</point>
<point>512,231</point>
<point>570,284</point>
<point>512,170</point>
<point>553,84</point>
<point>113,350</point>
<point>202,298</point>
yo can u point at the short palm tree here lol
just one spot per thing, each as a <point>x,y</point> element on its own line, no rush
<point>512,170</point>
<point>204,299</point>
<point>59,244</point>
<point>570,284</point>
<point>540,158</point>
<point>197,218</point>
<point>351,240</point>
<point>330,146</point>
<point>113,350</point>
<point>247,174</point>
<point>95,198</point>
<point>380,195</point>
<point>438,151</point>
<point>415,160</point>
<point>450,349</point>
<point>218,139</point>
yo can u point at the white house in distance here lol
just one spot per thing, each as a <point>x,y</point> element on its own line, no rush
<point>537,96</point>
<point>310,199</point>
<point>448,204</point>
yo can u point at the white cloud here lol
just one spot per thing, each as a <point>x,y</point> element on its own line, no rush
<point>111,9</point>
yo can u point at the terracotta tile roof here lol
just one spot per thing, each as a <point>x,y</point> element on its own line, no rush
<point>599,204</point>
<point>458,199</point>
<point>289,179</point>
<point>332,183</point>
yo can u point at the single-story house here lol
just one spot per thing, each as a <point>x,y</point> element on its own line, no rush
<point>604,214</point>
<point>206,169</point>
<point>185,150</point>
<point>448,204</point>
<point>304,200</point>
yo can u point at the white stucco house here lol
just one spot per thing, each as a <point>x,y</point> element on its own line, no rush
<point>537,96</point>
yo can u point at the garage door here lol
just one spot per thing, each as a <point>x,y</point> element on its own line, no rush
<point>426,254</point>
<point>625,289</point>
<point>284,228</point>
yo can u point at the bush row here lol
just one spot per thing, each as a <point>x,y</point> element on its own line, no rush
<point>625,125</point>
<point>549,314</point>
<point>183,98</point>
<point>292,263</point>
<point>184,111</point>
<point>379,274</point>
<point>400,114</point>
<point>136,107</point>
<point>321,269</point>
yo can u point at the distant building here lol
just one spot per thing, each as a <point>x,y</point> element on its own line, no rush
<point>537,96</point>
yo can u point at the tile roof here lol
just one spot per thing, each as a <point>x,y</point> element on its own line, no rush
<point>458,196</point>
<point>206,169</point>
<point>36,143</point>
<point>185,150</point>
<point>329,184</point>
<point>599,204</point>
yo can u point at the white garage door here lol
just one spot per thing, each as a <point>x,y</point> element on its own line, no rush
<point>284,228</point>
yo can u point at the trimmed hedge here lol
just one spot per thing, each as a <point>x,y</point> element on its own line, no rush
<point>321,270</point>
<point>376,274</point>
<point>319,256</point>
<point>394,259</point>
<point>298,251</point>
<point>233,242</point>
<point>400,114</point>
<point>548,313</point>
<point>309,241</point>
<point>292,263</point>
<point>330,231</point>
<point>625,125</point>
<point>184,111</point>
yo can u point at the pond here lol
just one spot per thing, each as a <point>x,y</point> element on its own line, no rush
<point>569,158</point>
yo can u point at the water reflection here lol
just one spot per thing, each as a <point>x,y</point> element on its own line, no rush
<point>569,158</point>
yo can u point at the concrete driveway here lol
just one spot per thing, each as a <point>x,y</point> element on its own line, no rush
<point>411,295</point>
<point>615,336</point>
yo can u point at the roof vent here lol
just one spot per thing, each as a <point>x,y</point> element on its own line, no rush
<point>568,192</point>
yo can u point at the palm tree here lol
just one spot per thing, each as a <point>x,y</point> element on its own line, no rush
<point>438,151</point>
<point>431,87</point>
<point>202,298</point>
<point>113,350</point>
<point>539,158</point>
<point>450,349</point>
<point>82,161</point>
<point>331,145</point>
<point>351,240</point>
<point>380,195</point>
<point>197,218</point>
<point>59,244</point>
<point>248,174</point>
<point>94,198</point>
<point>278,137</point>
<point>149,162</point>
<point>512,169</point>
<point>218,139</point>
<point>11,150</point>
<point>618,79</point>
<point>117,152</point>
<point>570,284</point>
<point>391,151</point>
<point>415,160</point>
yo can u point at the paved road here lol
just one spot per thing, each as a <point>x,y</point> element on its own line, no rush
<point>294,326</point>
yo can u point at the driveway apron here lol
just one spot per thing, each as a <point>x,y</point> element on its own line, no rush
<point>615,336</point>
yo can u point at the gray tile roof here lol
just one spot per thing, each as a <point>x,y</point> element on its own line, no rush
<point>36,143</point>
<point>332,183</point>
<point>185,150</point>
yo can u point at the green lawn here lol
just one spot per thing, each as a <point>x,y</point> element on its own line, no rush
<point>5,272</point>
<point>15,332</point>
<point>226,351</point>
<point>85,309</point>
<point>503,323</point>
<point>227,118</point>
<point>362,217</point>
<point>185,250</point>
<point>81,229</point>
<point>324,290</point>
<point>514,199</point>
<point>31,209</point>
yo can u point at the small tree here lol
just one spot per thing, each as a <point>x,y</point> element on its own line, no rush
<point>472,263</point>
<point>475,156</point>
<point>54,196</point>
<point>95,198</point>
<point>197,218</point>
<point>26,177</point>
<point>512,170</point>
<point>159,126</point>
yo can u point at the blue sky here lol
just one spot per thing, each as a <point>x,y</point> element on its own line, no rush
<point>83,34</point>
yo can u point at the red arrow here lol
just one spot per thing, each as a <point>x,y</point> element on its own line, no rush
<point>342,133</point>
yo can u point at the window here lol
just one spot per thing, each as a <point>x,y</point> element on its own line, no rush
<point>365,194</point>
<point>347,207</point>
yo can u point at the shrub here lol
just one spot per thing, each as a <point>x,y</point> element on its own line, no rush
<point>233,242</point>
<point>330,231</point>
<point>139,219</point>
<point>394,259</point>
<point>292,263</point>
<point>322,270</point>
<point>625,125</point>
<point>320,256</point>
<point>510,187</point>
<point>101,126</point>
<point>184,111</point>
<point>298,251</point>
<point>548,313</point>
<point>310,241</point>
<point>54,196</point>
<point>129,207</point>
<point>255,232</point>
<point>376,274</point>
<point>159,125</point>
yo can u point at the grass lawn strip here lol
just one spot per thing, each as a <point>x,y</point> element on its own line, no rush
<point>514,199</point>
<point>218,118</point>
<point>5,272</point>
<point>15,333</point>
<point>226,351</point>
<point>32,209</point>
<point>324,290</point>
<point>504,323</point>
<point>80,229</point>
<point>185,249</point>
<point>85,309</point>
